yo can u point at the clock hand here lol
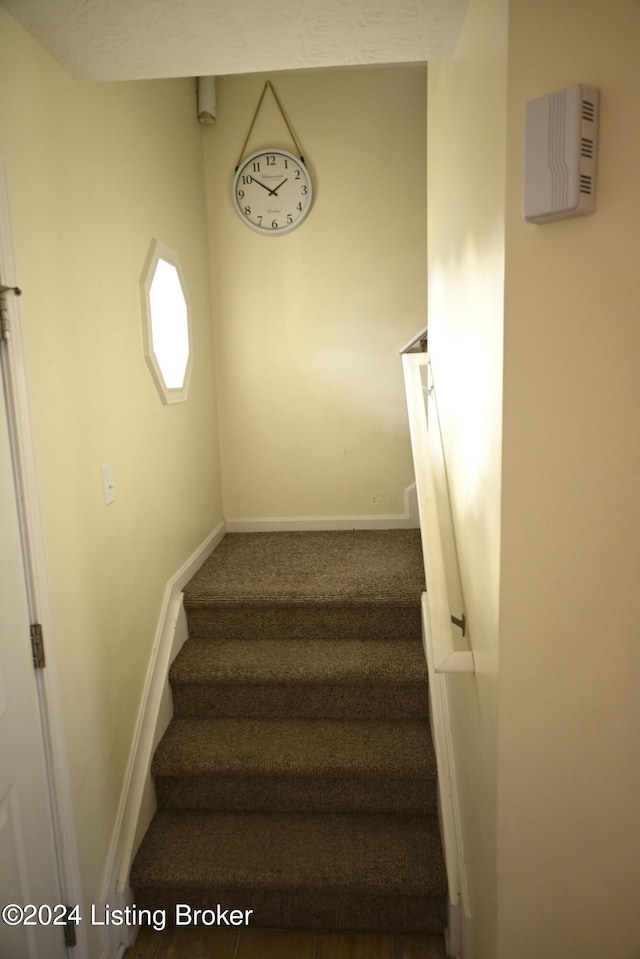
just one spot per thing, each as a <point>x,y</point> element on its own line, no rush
<point>264,186</point>
<point>275,192</point>
<point>271,192</point>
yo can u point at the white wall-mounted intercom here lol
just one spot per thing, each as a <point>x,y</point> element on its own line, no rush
<point>561,146</point>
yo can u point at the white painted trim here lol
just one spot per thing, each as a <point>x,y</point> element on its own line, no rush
<point>407,520</point>
<point>458,937</point>
<point>160,251</point>
<point>36,573</point>
<point>411,505</point>
<point>137,799</point>
<point>444,657</point>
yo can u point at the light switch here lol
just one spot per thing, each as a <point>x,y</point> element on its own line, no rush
<point>108,489</point>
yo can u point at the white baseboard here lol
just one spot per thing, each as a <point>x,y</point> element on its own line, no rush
<point>459,925</point>
<point>407,520</point>
<point>137,800</point>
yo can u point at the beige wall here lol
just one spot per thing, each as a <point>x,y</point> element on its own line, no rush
<point>308,325</point>
<point>466,182</point>
<point>95,172</point>
<point>554,850</point>
<point>569,786</point>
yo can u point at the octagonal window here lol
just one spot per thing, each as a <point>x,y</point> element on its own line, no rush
<point>166,323</point>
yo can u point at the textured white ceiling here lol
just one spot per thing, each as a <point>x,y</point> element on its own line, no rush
<point>144,39</point>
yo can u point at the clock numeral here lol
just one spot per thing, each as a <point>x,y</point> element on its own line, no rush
<point>299,206</point>
<point>274,224</point>
<point>241,194</point>
<point>247,210</point>
<point>297,176</point>
<point>259,219</point>
<point>271,160</point>
<point>304,190</point>
<point>289,218</point>
<point>256,168</point>
<point>247,179</point>
<point>286,163</point>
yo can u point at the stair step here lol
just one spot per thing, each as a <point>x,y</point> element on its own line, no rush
<point>342,871</point>
<point>214,621</point>
<point>380,566</point>
<point>328,585</point>
<point>295,678</point>
<point>296,765</point>
<point>297,778</point>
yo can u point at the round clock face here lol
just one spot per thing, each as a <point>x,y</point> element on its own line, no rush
<point>272,191</point>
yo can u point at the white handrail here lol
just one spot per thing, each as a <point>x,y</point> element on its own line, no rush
<point>436,607</point>
<point>420,337</point>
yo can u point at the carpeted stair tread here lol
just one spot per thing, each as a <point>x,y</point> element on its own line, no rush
<point>293,661</point>
<point>235,792</point>
<point>342,679</point>
<point>272,700</point>
<point>305,748</point>
<point>304,621</point>
<point>333,568</point>
<point>297,777</point>
<point>388,854</point>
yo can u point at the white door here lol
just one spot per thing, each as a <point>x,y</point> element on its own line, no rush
<point>28,865</point>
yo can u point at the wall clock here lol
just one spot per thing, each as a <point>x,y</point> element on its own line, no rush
<point>272,191</point>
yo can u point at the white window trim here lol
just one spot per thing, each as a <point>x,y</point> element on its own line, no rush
<point>160,251</point>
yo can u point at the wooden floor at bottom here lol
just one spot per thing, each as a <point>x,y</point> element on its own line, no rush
<point>247,943</point>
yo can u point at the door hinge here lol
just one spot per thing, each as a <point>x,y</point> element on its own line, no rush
<point>4,318</point>
<point>70,933</point>
<point>37,646</point>
<point>4,313</point>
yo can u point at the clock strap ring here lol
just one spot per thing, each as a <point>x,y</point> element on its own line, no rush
<point>269,85</point>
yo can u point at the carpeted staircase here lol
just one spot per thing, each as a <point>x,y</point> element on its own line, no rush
<point>297,778</point>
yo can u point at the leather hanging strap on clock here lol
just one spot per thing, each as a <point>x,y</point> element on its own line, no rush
<point>269,85</point>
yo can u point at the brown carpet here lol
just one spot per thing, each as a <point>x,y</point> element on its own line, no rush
<point>298,777</point>
<point>345,567</point>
